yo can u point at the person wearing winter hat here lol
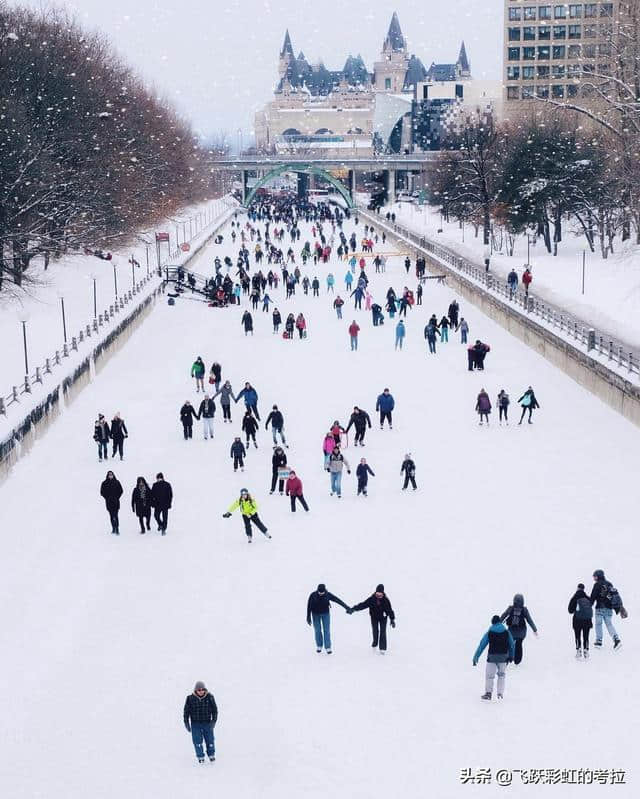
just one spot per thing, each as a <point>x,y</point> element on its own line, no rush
<point>409,469</point>
<point>581,608</point>
<point>501,651</point>
<point>604,611</point>
<point>380,610</point>
<point>517,617</point>
<point>249,509</point>
<point>200,716</point>
<point>318,614</point>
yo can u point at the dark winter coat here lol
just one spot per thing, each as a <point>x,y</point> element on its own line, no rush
<point>141,501</point>
<point>200,710</point>
<point>250,396</point>
<point>362,473</point>
<point>359,420</point>
<point>249,424</point>
<point>118,430</point>
<point>111,490</point>
<point>530,400</point>
<point>483,404</point>
<point>187,414</point>
<point>161,495</point>
<point>318,604</point>
<point>276,419</point>
<point>247,320</point>
<point>238,450</point>
<point>278,460</point>
<point>385,403</point>
<point>517,617</point>
<point>581,607</point>
<point>431,331</point>
<point>277,319</point>
<point>101,432</point>
<point>207,409</point>
<point>599,593</point>
<point>379,609</point>
<point>500,642</point>
<point>409,467</point>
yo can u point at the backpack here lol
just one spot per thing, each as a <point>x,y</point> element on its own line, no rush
<point>516,617</point>
<point>610,596</point>
<point>584,609</point>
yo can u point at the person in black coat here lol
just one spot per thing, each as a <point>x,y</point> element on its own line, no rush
<point>200,716</point>
<point>359,419</point>
<point>516,617</point>
<point>277,320</point>
<point>582,609</point>
<point>111,491</point>
<point>247,323</point>
<point>161,499</point>
<point>118,434</point>
<point>101,435</point>
<point>250,427</point>
<point>409,469</point>
<point>276,419</point>
<point>206,412</point>
<point>238,453</point>
<point>187,415</point>
<point>141,503</point>
<point>318,614</point>
<point>380,610</point>
<point>278,461</point>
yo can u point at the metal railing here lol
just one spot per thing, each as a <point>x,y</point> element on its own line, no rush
<point>572,327</point>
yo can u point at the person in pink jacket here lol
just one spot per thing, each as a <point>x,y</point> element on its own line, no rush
<point>293,490</point>
<point>367,302</point>
<point>327,447</point>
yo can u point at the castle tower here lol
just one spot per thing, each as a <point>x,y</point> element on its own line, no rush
<point>286,55</point>
<point>462,64</point>
<point>391,69</point>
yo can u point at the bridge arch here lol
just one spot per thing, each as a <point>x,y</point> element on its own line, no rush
<point>308,169</point>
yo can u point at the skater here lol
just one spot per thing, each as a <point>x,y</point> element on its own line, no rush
<point>380,610</point>
<point>141,503</point>
<point>501,651</point>
<point>527,277</point>
<point>301,326</point>
<point>200,716</point>
<point>247,323</point>
<point>453,311</point>
<point>337,304</point>
<point>226,395</point>
<point>385,405</point>
<point>197,372</point>
<point>111,491</point>
<point>419,291</point>
<point>289,325</point>
<point>161,499</point>
<point>277,320</point>
<point>376,314</point>
<point>318,613</point>
<point>362,473</point>
<point>337,462</point>
<point>293,489</point>
<point>517,617</point>
<point>250,399</point>
<point>582,609</point>
<point>529,403</point>
<point>512,283</point>
<point>400,334</point>
<point>359,419</point>
<point>187,415</point>
<point>250,427</point>
<point>409,469</point>
<point>483,406</point>
<point>327,448</point>
<point>606,599</point>
<point>206,412</point>
<point>279,471</point>
<point>478,353</point>
<point>444,330</point>
<point>249,509</point>
<point>337,430</point>
<point>101,435</point>
<point>215,375</point>
<point>315,287</point>
<point>330,283</point>
<point>348,280</point>
<point>464,330</point>
<point>503,406</point>
<point>118,434</point>
<point>354,329</point>
<point>276,419</point>
<point>238,453</point>
<point>430,333</point>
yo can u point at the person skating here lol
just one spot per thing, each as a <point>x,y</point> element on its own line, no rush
<point>118,434</point>
<point>337,304</point>
<point>215,375</point>
<point>516,617</point>
<point>250,427</point>
<point>444,329</point>
<point>529,403</point>
<point>337,430</point>
<point>409,469</point>
<point>289,325</point>
<point>301,325</point>
<point>278,469</point>
<point>293,489</point>
<point>315,287</point>
<point>249,510</point>
<point>318,614</point>
<point>401,332</point>
<point>276,420</point>
<point>582,609</point>
<point>477,353</point>
<point>101,435</point>
<point>226,395</point>
<point>464,330</point>
<point>247,323</point>
<point>354,329</point>
<point>238,454</point>
<point>430,333</point>
<point>141,503</point>
<point>359,419</point>
<point>200,716</point>
<point>380,610</point>
<point>328,444</point>
<point>187,415</point>
<point>277,320</point>
<point>111,491</point>
<point>512,283</point>
<point>501,651</point>
<point>337,462</point>
<point>206,412</point>
<point>503,406</point>
<point>362,473</point>
<point>385,405</point>
<point>161,499</point>
<point>250,399</point>
<point>483,406</point>
<point>453,311</point>
<point>606,600</point>
<point>197,372</point>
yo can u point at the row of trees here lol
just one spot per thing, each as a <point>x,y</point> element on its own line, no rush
<point>88,154</point>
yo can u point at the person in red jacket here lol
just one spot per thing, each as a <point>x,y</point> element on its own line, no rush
<point>293,490</point>
<point>354,329</point>
<point>527,277</point>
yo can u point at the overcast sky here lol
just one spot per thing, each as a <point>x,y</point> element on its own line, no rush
<point>217,59</point>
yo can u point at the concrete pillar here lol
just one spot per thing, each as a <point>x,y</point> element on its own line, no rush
<point>352,184</point>
<point>303,185</point>
<point>244,177</point>
<point>390,185</point>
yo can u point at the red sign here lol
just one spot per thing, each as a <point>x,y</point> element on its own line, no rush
<point>162,237</point>
<point>185,247</point>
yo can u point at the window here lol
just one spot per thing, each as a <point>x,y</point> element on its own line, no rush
<point>513,93</point>
<point>513,73</point>
<point>590,31</point>
<point>544,32</point>
<point>604,69</point>
<point>572,91</point>
<point>559,12</point>
<point>557,92</point>
<point>513,54</point>
<point>529,33</point>
<point>557,71</point>
<point>387,83</point>
<point>528,53</point>
<point>527,92</point>
<point>604,49</point>
<point>575,31</point>
<point>514,34</point>
<point>606,31</point>
<point>543,72</point>
<point>527,73</point>
<point>590,10</point>
<point>589,69</point>
<point>542,91</point>
<point>559,51</point>
<point>575,12</point>
<point>574,70</point>
<point>606,10</point>
<point>574,51</point>
<point>515,14</point>
<point>529,12</point>
<point>544,12</point>
<point>543,53</point>
<point>559,31</point>
<point>589,50</point>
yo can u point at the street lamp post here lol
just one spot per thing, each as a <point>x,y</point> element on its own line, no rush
<point>95,298</point>
<point>64,320</point>
<point>23,322</point>
<point>133,272</point>
<point>528,250</point>
<point>115,280</point>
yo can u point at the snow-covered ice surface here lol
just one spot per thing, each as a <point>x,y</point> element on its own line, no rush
<point>103,637</point>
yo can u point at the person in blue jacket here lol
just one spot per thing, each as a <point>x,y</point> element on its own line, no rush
<point>400,334</point>
<point>250,399</point>
<point>385,404</point>
<point>501,651</point>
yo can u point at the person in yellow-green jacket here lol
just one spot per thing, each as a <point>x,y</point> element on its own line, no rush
<point>249,509</point>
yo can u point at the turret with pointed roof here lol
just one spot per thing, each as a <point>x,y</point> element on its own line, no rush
<point>463,62</point>
<point>287,47</point>
<point>287,57</point>
<point>395,41</point>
